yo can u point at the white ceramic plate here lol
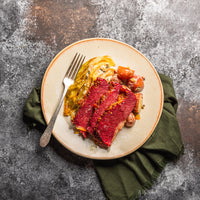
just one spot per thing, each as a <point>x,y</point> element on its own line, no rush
<point>128,139</point>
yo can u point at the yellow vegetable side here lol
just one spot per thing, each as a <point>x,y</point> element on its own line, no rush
<point>102,66</point>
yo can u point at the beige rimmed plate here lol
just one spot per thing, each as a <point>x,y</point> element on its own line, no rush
<point>128,139</point>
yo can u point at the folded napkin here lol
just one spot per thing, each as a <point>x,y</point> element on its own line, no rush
<point>129,177</point>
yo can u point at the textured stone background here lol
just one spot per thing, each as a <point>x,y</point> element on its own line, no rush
<point>32,32</point>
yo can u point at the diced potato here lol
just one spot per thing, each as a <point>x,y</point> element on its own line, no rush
<point>139,103</point>
<point>130,121</point>
<point>136,83</point>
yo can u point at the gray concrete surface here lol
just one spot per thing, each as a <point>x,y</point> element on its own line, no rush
<point>32,32</point>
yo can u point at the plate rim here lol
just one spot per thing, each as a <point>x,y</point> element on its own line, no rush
<point>115,41</point>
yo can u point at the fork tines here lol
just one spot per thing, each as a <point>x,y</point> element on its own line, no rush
<point>75,66</point>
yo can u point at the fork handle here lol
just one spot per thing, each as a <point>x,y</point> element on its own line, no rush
<point>45,138</point>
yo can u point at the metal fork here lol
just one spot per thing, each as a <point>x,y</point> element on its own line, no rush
<point>67,81</point>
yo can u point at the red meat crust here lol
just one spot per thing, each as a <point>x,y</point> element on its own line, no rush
<point>104,112</point>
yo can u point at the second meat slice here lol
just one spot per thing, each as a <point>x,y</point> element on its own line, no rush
<point>114,118</point>
<point>107,100</point>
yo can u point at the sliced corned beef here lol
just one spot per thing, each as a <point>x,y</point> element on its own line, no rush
<point>109,124</point>
<point>109,98</point>
<point>84,113</point>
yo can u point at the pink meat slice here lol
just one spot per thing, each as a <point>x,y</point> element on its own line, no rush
<point>108,126</point>
<point>84,113</point>
<point>110,98</point>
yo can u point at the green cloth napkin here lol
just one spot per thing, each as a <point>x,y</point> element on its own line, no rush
<point>129,177</point>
